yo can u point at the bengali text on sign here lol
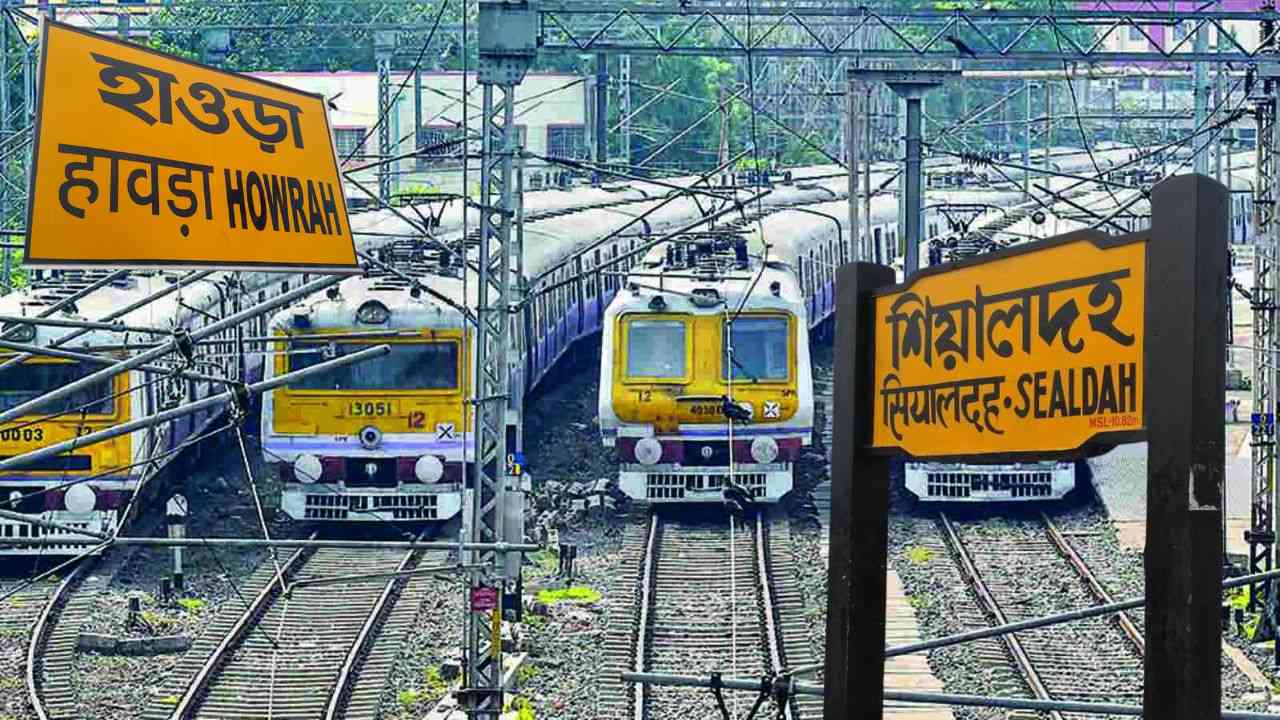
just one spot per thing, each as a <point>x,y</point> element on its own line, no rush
<point>1034,351</point>
<point>144,159</point>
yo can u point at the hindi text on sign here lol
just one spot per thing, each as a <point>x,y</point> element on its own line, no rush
<point>178,164</point>
<point>1037,350</point>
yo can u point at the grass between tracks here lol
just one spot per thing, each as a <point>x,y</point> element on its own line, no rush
<point>578,593</point>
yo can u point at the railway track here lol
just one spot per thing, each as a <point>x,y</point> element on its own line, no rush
<point>1023,569</point>
<point>54,615</point>
<point>701,596</point>
<point>300,656</point>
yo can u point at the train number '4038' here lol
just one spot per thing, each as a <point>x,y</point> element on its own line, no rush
<point>22,435</point>
<point>370,408</point>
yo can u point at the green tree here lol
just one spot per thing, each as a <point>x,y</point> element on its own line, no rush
<point>306,36</point>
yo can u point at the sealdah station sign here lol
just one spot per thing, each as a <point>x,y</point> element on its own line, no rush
<point>1027,350</point>
<point>145,159</point>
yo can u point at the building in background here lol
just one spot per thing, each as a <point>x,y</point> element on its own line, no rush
<point>550,112</point>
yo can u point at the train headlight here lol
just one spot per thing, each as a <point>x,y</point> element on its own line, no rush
<point>15,499</point>
<point>373,313</point>
<point>80,498</point>
<point>648,451</point>
<point>428,469</point>
<point>307,469</point>
<point>764,450</point>
<point>370,437</point>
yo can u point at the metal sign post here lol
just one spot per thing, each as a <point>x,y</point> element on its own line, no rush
<point>1050,350</point>
<point>1186,453</point>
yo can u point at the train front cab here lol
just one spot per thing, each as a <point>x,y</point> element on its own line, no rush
<point>670,375</point>
<point>376,440</point>
<point>1021,482</point>
<point>87,488</point>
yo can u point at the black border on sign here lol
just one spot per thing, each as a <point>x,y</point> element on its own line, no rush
<point>1095,444</point>
<point>29,259</point>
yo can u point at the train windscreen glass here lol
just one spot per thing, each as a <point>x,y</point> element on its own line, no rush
<point>31,380</point>
<point>409,366</point>
<point>759,348</point>
<point>656,349</point>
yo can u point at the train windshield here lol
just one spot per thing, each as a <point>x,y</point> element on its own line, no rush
<point>759,349</point>
<point>656,349</point>
<point>409,366</point>
<point>30,380</point>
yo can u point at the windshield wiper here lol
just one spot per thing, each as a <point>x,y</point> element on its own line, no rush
<point>744,370</point>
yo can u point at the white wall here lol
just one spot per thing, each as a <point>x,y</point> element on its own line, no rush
<point>560,100</point>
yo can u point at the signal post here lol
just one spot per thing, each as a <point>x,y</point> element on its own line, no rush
<point>1054,349</point>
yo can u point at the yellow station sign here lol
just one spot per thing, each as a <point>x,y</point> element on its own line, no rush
<point>145,159</point>
<point>1037,350</point>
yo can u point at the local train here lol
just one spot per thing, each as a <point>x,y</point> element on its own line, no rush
<point>1052,480</point>
<point>390,440</point>
<point>704,367</point>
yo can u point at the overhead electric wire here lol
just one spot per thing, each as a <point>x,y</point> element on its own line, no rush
<point>417,63</point>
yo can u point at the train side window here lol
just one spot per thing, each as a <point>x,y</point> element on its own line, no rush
<point>613,266</point>
<point>877,246</point>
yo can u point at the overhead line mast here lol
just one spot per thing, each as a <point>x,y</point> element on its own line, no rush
<point>508,44</point>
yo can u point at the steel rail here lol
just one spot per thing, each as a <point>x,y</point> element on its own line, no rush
<point>988,600</point>
<point>186,704</point>
<point>647,577</point>
<point>926,698</point>
<point>1060,541</point>
<point>277,543</point>
<point>771,631</point>
<point>39,636</point>
<point>346,675</point>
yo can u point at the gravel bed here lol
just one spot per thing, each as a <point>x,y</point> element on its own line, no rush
<point>111,687</point>
<point>566,646</point>
<point>1121,572</point>
<point>412,684</point>
<point>19,615</point>
<point>936,587</point>
<point>562,428</point>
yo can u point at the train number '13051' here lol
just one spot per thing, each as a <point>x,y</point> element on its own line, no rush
<point>370,408</point>
<point>22,435</point>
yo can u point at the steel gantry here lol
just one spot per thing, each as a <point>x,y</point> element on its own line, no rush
<point>508,45</point>
<point>384,45</point>
<point>1261,535</point>
<point>724,28</point>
